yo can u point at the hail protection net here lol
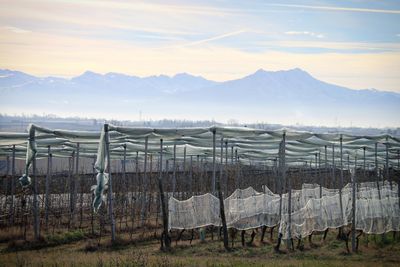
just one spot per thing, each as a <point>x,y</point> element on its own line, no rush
<point>377,210</point>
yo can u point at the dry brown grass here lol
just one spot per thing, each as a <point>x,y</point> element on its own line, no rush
<point>144,251</point>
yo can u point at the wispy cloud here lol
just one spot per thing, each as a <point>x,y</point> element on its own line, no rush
<point>15,29</point>
<point>336,8</point>
<point>144,6</point>
<point>312,34</point>
<point>350,46</point>
<point>218,37</point>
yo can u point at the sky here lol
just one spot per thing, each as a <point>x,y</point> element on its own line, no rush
<point>354,43</point>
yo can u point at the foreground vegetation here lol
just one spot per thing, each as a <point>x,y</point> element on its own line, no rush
<point>78,249</point>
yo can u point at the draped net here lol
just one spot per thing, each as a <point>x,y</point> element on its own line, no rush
<point>313,209</point>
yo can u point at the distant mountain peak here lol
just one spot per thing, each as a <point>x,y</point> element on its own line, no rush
<point>87,76</point>
<point>183,75</point>
<point>291,74</point>
<point>90,73</point>
<point>260,71</point>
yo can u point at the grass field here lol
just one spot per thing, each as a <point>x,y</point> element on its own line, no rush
<point>77,249</point>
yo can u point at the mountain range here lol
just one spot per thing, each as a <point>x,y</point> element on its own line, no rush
<point>287,97</point>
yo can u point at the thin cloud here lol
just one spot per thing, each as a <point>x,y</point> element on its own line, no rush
<point>312,34</point>
<point>333,8</point>
<point>15,29</point>
<point>364,46</point>
<point>219,37</point>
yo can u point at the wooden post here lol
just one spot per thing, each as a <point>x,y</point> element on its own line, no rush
<point>237,184</point>
<point>221,166</point>
<point>167,240</point>
<point>184,160</point>
<point>125,190</point>
<point>199,180</point>
<point>166,179</point>
<point>213,166</point>
<point>191,176</point>
<point>319,174</point>
<point>12,211</point>
<point>36,222</point>
<point>124,169</point>
<point>333,166</point>
<point>5,183</point>
<point>276,175</point>
<point>341,163</point>
<point>376,170</point>
<point>92,195</point>
<point>280,191</point>
<point>398,170</point>
<point>221,201</point>
<point>145,182</point>
<point>71,165</point>
<point>36,219</point>
<point>47,185</point>
<point>387,164</point>
<point>341,177</point>
<point>326,166</point>
<point>150,178</point>
<point>226,164</point>
<point>316,166</point>
<point>280,179</point>
<point>110,192</point>
<point>353,224</point>
<point>364,165</point>
<point>75,186</point>
<point>289,182</point>
<point>174,172</point>
<point>231,155</point>
<point>136,190</point>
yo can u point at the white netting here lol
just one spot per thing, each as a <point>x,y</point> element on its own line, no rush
<point>197,211</point>
<point>377,211</point>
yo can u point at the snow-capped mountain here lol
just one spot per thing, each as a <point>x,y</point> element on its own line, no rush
<point>291,96</point>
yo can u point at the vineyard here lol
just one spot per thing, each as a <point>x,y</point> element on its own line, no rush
<point>234,189</point>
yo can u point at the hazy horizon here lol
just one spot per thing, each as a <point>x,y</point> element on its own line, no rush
<point>337,45</point>
<point>291,97</point>
<point>181,73</point>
